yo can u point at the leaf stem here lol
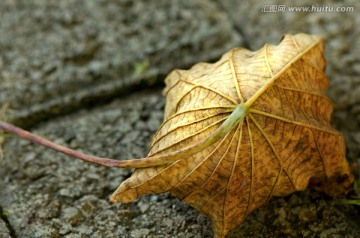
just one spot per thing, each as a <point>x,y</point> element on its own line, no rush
<point>234,119</point>
<point>49,144</point>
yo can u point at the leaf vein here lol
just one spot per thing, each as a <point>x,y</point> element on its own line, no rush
<point>330,131</point>
<point>273,150</point>
<point>231,62</point>
<point>192,135</point>
<point>210,89</point>
<point>185,125</point>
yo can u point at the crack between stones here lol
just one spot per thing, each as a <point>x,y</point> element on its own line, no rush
<point>4,218</point>
<point>50,111</point>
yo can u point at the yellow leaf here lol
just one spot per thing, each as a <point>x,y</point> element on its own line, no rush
<point>237,132</point>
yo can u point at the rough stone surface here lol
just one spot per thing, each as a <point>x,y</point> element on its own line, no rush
<point>59,56</point>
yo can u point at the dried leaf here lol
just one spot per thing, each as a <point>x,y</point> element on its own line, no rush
<point>237,132</point>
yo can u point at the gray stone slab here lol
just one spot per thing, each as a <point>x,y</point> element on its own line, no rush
<point>58,56</point>
<point>46,194</point>
<point>341,31</point>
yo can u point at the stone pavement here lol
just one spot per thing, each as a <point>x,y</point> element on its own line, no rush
<point>89,75</point>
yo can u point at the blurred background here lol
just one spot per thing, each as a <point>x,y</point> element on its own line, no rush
<point>89,74</point>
